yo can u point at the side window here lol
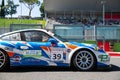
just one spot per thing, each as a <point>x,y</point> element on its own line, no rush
<point>36,36</point>
<point>12,37</point>
<point>6,37</point>
<point>15,37</point>
<point>33,36</point>
<point>45,37</point>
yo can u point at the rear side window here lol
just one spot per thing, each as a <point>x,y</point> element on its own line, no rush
<point>12,37</point>
<point>35,36</point>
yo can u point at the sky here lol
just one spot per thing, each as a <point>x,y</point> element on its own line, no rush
<point>22,9</point>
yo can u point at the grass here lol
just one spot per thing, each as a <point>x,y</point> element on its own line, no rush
<point>116,47</point>
<point>90,42</point>
<point>7,22</point>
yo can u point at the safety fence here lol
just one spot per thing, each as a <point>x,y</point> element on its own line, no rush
<point>14,27</point>
<point>81,32</point>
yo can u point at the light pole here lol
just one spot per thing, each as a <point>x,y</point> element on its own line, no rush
<point>21,14</point>
<point>21,11</point>
<point>103,10</point>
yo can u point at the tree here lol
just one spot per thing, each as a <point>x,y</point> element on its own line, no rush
<point>2,12</point>
<point>30,4</point>
<point>42,10</point>
<point>10,8</point>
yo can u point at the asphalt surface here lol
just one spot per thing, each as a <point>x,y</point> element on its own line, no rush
<point>55,73</point>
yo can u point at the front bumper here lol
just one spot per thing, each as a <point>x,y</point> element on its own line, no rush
<point>106,67</point>
<point>103,60</point>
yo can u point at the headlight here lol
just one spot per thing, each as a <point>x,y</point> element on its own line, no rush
<point>96,48</point>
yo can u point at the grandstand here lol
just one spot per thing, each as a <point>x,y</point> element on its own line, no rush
<point>82,9</point>
<point>70,6</point>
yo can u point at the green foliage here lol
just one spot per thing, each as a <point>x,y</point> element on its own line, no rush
<point>2,11</point>
<point>10,8</point>
<point>7,22</point>
<point>42,10</point>
<point>30,4</point>
<point>116,47</point>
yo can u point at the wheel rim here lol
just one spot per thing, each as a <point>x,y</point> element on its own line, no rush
<point>2,59</point>
<point>84,60</point>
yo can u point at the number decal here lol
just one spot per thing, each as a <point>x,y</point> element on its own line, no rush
<point>57,55</point>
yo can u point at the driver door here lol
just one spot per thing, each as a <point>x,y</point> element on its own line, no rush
<point>33,52</point>
<point>44,48</point>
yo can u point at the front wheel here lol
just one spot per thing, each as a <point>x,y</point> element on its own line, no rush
<point>84,60</point>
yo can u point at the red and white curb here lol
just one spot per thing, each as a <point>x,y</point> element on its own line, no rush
<point>114,54</point>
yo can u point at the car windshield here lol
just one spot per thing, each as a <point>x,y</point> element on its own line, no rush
<point>60,38</point>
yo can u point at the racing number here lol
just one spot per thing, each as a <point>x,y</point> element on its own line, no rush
<point>57,55</point>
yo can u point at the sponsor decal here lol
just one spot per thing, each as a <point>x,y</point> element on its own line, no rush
<point>32,60</point>
<point>24,47</point>
<point>104,58</point>
<point>17,58</point>
<point>58,49</point>
<point>32,53</point>
<point>68,50</point>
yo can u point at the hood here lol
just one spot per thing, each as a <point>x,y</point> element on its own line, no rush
<point>91,46</point>
<point>74,45</point>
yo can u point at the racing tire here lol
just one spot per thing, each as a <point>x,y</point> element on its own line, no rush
<point>4,61</point>
<point>84,60</point>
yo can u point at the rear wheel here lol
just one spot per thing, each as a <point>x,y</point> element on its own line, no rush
<point>4,61</point>
<point>84,60</point>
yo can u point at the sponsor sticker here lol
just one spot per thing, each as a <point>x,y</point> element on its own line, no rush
<point>32,53</point>
<point>16,58</point>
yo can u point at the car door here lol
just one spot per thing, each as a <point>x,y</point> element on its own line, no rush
<point>40,48</point>
<point>36,42</point>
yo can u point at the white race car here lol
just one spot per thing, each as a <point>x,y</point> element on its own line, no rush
<point>38,47</point>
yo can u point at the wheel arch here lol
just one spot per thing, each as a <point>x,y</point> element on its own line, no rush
<point>80,49</point>
<point>5,53</point>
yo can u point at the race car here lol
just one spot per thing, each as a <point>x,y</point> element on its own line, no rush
<point>39,47</point>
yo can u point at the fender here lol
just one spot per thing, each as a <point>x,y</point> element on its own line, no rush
<point>75,50</point>
<point>2,47</point>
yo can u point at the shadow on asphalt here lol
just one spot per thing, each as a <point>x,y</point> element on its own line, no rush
<point>56,69</point>
<point>115,68</point>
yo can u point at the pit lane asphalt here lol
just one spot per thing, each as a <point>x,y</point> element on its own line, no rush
<point>55,73</point>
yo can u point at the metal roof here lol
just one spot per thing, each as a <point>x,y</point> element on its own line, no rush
<point>52,6</point>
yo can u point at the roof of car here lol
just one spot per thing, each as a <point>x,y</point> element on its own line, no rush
<point>23,30</point>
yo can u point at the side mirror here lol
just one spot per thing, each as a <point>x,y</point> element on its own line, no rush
<point>53,41</point>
